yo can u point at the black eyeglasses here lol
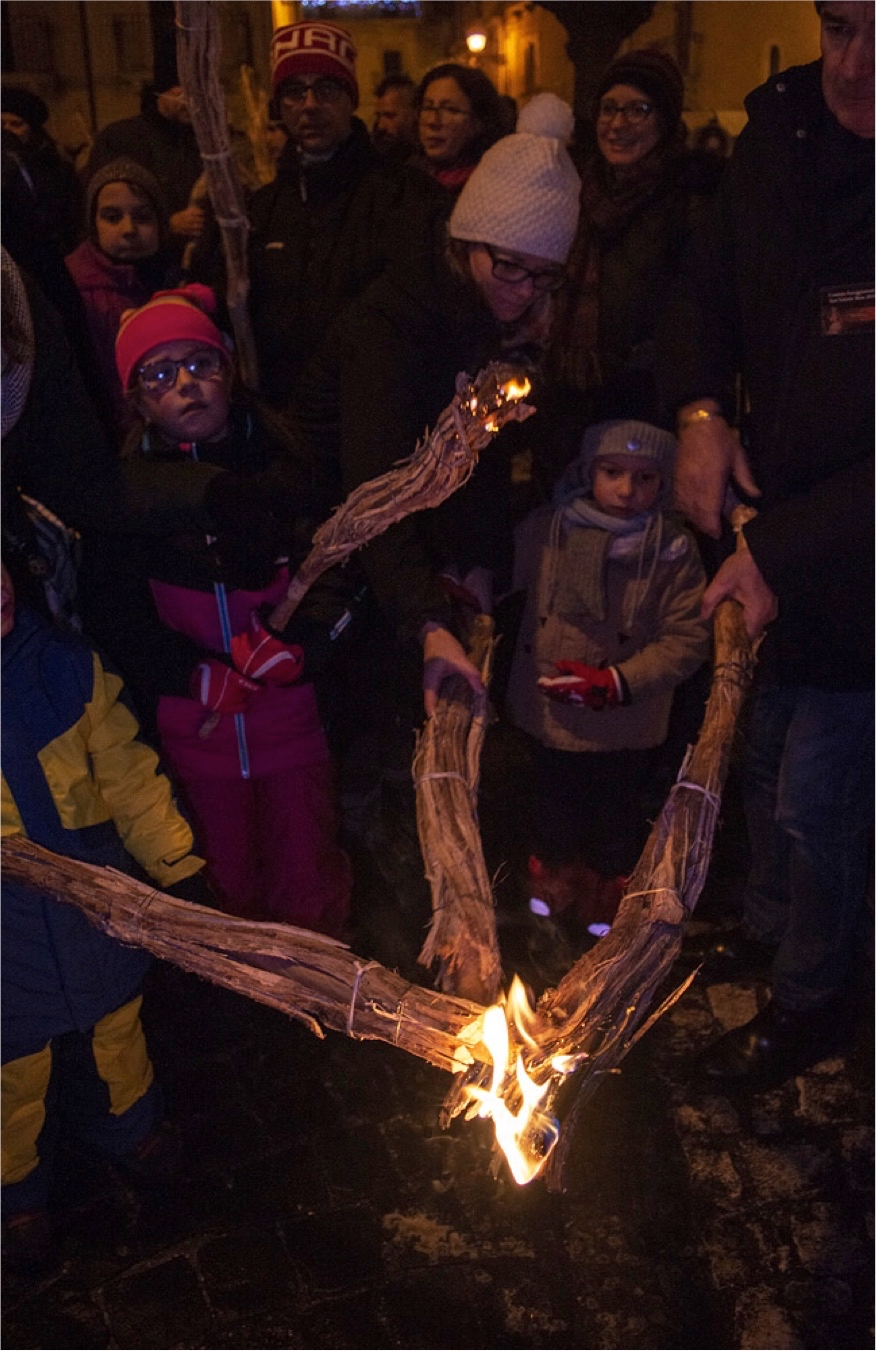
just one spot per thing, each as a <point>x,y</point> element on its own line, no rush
<point>160,376</point>
<point>324,90</point>
<point>638,110</point>
<point>505,269</point>
<point>443,112</point>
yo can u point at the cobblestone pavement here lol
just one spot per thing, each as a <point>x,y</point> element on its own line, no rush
<point>321,1205</point>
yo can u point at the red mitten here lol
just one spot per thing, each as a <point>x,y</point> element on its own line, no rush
<point>262,656</point>
<point>220,688</point>
<point>596,686</point>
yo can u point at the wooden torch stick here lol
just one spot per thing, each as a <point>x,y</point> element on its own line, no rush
<point>442,462</point>
<point>199,49</point>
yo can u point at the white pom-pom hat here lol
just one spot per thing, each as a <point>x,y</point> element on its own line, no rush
<point>523,195</point>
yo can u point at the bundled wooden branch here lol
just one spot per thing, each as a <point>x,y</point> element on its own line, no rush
<point>602,1006</point>
<point>306,975</point>
<point>441,463</point>
<point>581,1030</point>
<point>198,49</point>
<point>462,938</point>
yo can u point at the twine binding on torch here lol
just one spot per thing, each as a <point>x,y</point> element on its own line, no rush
<point>360,972</point>
<point>713,799</point>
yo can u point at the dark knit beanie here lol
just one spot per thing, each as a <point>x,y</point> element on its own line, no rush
<point>658,77</point>
<point>124,171</point>
<point>24,103</point>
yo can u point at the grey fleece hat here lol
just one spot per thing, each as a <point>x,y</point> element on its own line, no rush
<point>124,171</point>
<point>619,436</point>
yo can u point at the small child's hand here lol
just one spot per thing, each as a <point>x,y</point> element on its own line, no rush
<point>598,687</point>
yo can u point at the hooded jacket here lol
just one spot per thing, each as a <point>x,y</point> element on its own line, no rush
<point>637,610</point>
<point>76,780</point>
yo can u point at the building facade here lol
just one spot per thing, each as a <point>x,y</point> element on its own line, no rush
<point>89,60</point>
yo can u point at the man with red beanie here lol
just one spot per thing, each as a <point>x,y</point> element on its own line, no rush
<point>336,214</point>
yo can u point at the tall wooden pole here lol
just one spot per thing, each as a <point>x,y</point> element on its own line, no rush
<point>198,49</point>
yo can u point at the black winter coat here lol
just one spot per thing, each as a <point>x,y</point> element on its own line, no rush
<point>789,244</point>
<point>169,150</point>
<point>320,234</point>
<point>386,371</point>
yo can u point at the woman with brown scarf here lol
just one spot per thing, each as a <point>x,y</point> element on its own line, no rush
<point>642,192</point>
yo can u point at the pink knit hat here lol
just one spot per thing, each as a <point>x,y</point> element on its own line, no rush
<point>167,317</point>
<point>314,49</point>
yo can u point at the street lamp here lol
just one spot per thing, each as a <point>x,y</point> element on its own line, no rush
<point>476,40</point>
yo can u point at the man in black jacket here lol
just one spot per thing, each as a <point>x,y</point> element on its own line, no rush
<point>780,296</point>
<point>336,215</point>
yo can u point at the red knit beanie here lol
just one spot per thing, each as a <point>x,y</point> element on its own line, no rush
<point>167,317</point>
<point>314,49</point>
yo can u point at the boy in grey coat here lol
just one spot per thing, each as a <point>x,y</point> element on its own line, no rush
<point>611,627</point>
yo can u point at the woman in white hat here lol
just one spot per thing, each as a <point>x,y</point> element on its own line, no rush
<point>389,367</point>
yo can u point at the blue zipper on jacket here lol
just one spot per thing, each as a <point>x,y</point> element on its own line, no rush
<point>239,726</point>
<point>225,624</point>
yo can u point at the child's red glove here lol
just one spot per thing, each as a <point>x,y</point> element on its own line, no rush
<point>262,656</point>
<point>596,686</point>
<point>220,688</point>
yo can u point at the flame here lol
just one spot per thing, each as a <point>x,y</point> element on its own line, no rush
<point>514,390</point>
<point>528,1134</point>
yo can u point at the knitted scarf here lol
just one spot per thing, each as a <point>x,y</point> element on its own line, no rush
<point>583,539</point>
<point>608,203</point>
<point>454,177</point>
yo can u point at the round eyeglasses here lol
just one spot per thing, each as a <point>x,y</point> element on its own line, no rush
<point>634,112</point>
<point>324,90</point>
<point>158,377</point>
<point>505,269</point>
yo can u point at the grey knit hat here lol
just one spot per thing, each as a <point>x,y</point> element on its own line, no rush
<point>523,194</point>
<point>619,437</point>
<point>124,171</point>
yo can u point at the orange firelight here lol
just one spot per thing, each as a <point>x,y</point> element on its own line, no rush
<point>514,1101</point>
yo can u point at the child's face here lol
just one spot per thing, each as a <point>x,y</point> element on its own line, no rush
<point>185,404</point>
<point>7,603</point>
<point>127,224</point>
<point>625,485</point>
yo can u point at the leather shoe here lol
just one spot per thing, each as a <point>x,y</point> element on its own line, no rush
<point>776,1044</point>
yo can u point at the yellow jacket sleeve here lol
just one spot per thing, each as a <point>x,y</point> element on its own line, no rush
<point>137,794</point>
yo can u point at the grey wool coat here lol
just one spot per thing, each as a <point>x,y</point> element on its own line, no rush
<point>639,612</point>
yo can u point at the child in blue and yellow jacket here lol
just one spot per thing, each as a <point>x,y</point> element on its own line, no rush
<point>76,780</point>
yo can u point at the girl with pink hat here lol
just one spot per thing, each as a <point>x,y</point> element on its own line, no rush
<point>234,704</point>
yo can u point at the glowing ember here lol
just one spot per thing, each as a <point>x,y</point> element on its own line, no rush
<point>525,1132</point>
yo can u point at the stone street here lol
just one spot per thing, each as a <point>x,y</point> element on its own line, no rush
<point>322,1206</point>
